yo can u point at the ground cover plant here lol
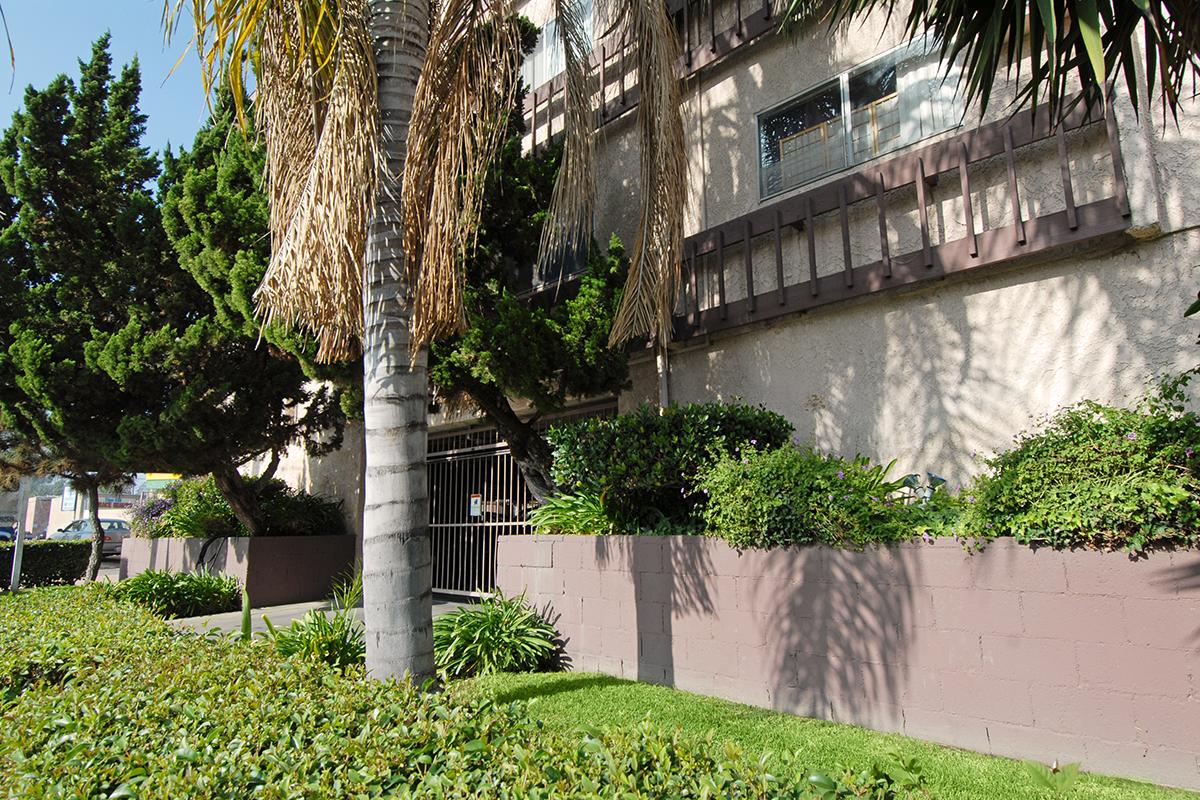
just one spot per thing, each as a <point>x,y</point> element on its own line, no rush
<point>570,701</point>
<point>195,507</point>
<point>45,563</point>
<point>103,700</point>
<point>1097,476</point>
<point>181,594</point>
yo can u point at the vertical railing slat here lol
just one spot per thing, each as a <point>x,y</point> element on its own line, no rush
<point>923,213</point>
<point>964,179</point>
<point>844,218</point>
<point>811,236</point>
<point>721,272</point>
<point>885,253</point>
<point>748,264</point>
<point>1014,191</point>
<point>780,289</point>
<point>1064,164</point>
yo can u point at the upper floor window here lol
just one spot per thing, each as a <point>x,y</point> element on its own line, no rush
<point>547,60</point>
<point>883,105</point>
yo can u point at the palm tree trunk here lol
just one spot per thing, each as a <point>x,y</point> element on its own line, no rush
<point>397,569</point>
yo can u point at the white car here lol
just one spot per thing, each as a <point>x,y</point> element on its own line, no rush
<point>115,532</point>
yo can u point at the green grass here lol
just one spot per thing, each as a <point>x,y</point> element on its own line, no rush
<point>567,701</point>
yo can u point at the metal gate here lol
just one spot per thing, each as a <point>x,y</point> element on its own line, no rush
<point>476,493</point>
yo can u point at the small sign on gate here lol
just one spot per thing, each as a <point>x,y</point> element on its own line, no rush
<point>476,505</point>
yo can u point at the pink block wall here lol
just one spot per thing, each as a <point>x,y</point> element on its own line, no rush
<point>275,570</point>
<point>1079,656</point>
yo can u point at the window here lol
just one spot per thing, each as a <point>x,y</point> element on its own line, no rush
<point>548,59</point>
<point>893,101</point>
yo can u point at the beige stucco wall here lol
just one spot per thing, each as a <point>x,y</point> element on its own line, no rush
<point>933,376</point>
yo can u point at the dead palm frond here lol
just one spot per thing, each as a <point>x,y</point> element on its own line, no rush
<point>653,283</point>
<point>322,165</point>
<point>316,103</point>
<point>467,88</point>
<point>1072,44</point>
<point>568,225</point>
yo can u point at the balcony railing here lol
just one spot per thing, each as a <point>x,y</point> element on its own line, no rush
<point>868,196</point>
<point>613,70</point>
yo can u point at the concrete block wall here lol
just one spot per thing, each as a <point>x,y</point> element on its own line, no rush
<point>1079,656</point>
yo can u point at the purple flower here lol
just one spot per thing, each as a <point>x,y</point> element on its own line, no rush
<point>841,474</point>
<point>705,491</point>
<point>928,539</point>
<point>970,498</point>
<point>1131,436</point>
<point>1188,452</point>
<point>754,441</point>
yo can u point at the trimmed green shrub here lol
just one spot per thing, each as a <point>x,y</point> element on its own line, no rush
<point>195,508</point>
<point>789,495</point>
<point>181,594</point>
<point>644,465</point>
<point>45,563</point>
<point>1097,476</point>
<point>337,640</point>
<point>499,634</point>
<point>107,700</point>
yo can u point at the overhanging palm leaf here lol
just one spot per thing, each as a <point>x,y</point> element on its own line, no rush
<point>1072,44</point>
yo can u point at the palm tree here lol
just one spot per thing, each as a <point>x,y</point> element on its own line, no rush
<point>380,121</point>
<point>1075,47</point>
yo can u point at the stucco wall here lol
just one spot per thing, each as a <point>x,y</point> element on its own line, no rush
<point>1079,656</point>
<point>934,376</point>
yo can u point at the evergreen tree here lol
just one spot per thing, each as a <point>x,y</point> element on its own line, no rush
<point>114,359</point>
<point>537,353</point>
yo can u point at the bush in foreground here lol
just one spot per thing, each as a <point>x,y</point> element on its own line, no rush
<point>1097,476</point>
<point>181,594</point>
<point>338,640</point>
<point>109,701</point>
<point>499,634</point>
<point>45,563</point>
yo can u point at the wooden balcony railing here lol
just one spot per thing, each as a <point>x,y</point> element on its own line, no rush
<point>768,294</point>
<point>614,73</point>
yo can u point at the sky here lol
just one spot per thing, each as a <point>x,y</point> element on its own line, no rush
<point>50,36</point>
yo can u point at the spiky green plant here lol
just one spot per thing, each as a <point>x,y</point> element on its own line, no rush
<point>499,634</point>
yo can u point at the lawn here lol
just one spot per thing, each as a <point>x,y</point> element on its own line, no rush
<point>567,701</point>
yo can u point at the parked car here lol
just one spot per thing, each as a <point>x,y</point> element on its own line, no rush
<point>7,533</point>
<point>115,532</point>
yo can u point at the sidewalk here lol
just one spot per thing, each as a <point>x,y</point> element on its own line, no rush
<point>282,616</point>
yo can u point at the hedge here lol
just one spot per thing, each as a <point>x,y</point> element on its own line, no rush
<point>101,700</point>
<point>45,563</point>
<point>645,464</point>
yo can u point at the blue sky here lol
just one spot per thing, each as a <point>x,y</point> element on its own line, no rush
<point>50,36</point>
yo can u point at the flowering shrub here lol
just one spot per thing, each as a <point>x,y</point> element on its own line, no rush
<point>1097,476</point>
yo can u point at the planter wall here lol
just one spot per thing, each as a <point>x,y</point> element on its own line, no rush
<point>1079,656</point>
<point>274,569</point>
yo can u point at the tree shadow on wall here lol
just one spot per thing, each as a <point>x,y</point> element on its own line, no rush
<point>840,625</point>
<point>1184,575</point>
<point>670,590</point>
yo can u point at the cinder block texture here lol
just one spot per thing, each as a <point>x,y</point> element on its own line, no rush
<point>1075,656</point>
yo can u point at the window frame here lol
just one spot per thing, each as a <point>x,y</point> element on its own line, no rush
<point>921,44</point>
